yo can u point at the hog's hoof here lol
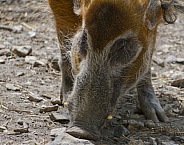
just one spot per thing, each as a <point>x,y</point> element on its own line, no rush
<point>157,115</point>
<point>80,133</point>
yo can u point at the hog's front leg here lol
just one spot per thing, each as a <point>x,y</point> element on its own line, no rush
<point>148,102</point>
<point>66,78</point>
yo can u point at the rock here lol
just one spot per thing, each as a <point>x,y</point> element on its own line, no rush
<point>177,75</point>
<point>64,111</point>
<point>177,111</point>
<point>2,46</point>
<point>12,87</point>
<point>120,130</point>
<point>180,60</point>
<point>135,142</point>
<point>20,74</point>
<point>2,60</point>
<point>133,125</point>
<point>153,141</point>
<point>55,64</point>
<point>158,61</point>
<point>2,128</point>
<point>5,52</point>
<point>47,96</point>
<point>48,108</point>
<point>17,29</point>
<point>9,2</point>
<point>149,124</point>
<point>55,101</point>
<point>124,122</point>
<point>38,63</point>
<point>32,33</point>
<point>178,83</point>
<point>170,59</point>
<point>22,51</point>
<point>35,97</point>
<point>23,128</point>
<point>62,118</point>
<point>57,131</point>
<point>30,59</point>
<point>178,138</point>
<point>60,137</point>
<point>154,74</point>
<point>169,143</point>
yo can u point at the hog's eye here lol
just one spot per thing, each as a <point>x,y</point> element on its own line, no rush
<point>83,45</point>
<point>124,50</point>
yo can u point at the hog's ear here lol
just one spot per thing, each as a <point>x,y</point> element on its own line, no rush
<point>152,13</point>
<point>77,6</point>
<point>170,10</point>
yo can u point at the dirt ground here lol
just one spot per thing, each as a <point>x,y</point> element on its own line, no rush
<point>29,82</point>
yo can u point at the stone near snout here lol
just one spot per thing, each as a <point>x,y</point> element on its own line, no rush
<point>22,51</point>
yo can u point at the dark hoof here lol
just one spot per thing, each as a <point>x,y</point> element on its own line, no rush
<point>79,133</point>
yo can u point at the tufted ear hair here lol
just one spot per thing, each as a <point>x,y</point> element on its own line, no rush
<point>152,13</point>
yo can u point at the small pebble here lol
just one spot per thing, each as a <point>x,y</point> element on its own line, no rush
<point>153,141</point>
<point>32,33</point>
<point>62,118</point>
<point>17,29</point>
<point>5,52</point>
<point>178,138</point>
<point>180,60</point>
<point>24,129</point>
<point>30,59</point>
<point>2,46</point>
<point>55,101</point>
<point>2,128</point>
<point>171,59</point>
<point>22,51</point>
<point>178,83</point>
<point>20,74</point>
<point>2,60</point>
<point>177,111</point>
<point>12,87</point>
<point>35,98</point>
<point>55,64</point>
<point>47,96</point>
<point>57,131</point>
<point>133,125</point>
<point>48,108</point>
<point>149,124</point>
<point>38,63</point>
<point>135,142</point>
<point>169,143</point>
<point>120,130</point>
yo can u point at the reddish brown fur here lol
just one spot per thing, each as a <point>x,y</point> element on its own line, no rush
<point>101,30</point>
<point>116,22</point>
<point>66,20</point>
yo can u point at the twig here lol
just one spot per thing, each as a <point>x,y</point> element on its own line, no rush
<point>26,25</point>
<point>38,116</point>
<point>16,110</point>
